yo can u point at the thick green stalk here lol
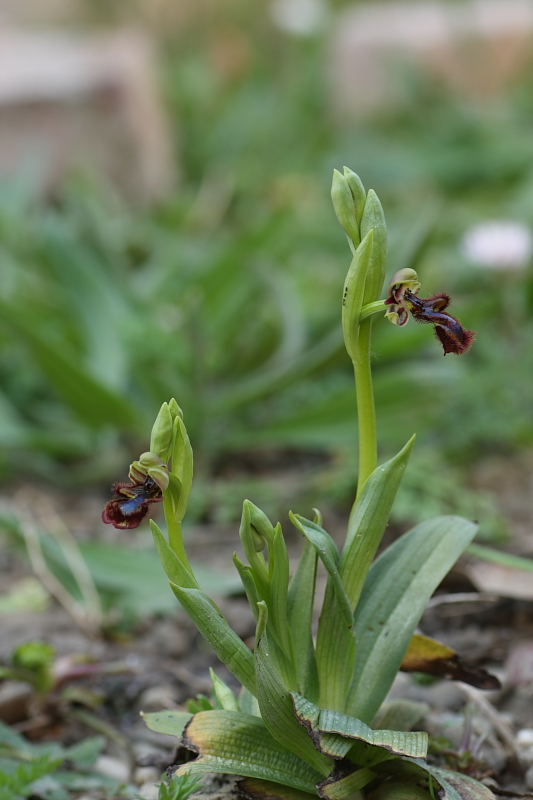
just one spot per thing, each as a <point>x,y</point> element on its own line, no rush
<point>175,533</point>
<point>366,412</point>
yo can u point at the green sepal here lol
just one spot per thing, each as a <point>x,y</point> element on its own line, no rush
<point>343,204</point>
<point>276,705</point>
<point>354,290</point>
<point>394,597</point>
<point>225,697</point>
<point>161,436</point>
<point>211,623</point>
<point>181,466</point>
<point>334,733</point>
<point>358,193</point>
<point>300,602</point>
<point>329,555</point>
<point>373,219</point>
<point>248,750</point>
<point>176,570</point>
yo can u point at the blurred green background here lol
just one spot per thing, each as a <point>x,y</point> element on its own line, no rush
<point>225,293</point>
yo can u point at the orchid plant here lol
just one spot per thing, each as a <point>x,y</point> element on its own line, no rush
<point>311,717</point>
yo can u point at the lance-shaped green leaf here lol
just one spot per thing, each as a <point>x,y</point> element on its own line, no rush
<point>374,220</point>
<point>177,571</point>
<point>368,521</point>
<point>209,620</point>
<point>168,721</point>
<point>334,733</point>
<point>253,542</point>
<point>300,617</point>
<point>279,574</point>
<point>395,595</point>
<point>354,289</point>
<point>276,705</point>
<point>329,555</point>
<point>224,695</point>
<point>246,575</point>
<point>237,743</point>
<point>248,703</point>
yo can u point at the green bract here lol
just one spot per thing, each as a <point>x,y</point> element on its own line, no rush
<point>307,705</point>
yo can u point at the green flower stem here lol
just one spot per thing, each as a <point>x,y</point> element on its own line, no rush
<point>366,412</point>
<point>372,308</point>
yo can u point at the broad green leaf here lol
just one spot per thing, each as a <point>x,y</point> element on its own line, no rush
<point>395,595</point>
<point>450,785</point>
<point>276,705</point>
<point>212,625</point>
<point>168,721</point>
<point>237,743</point>
<point>300,616</point>
<point>176,570</point>
<point>334,733</point>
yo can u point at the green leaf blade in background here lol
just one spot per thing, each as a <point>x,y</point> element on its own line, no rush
<point>395,595</point>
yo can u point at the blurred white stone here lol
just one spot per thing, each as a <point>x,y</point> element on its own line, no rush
<point>88,102</point>
<point>300,17</point>
<point>477,47</point>
<point>112,768</point>
<point>150,791</point>
<point>499,244</point>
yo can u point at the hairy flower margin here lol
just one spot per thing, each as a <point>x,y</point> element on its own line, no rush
<point>403,298</point>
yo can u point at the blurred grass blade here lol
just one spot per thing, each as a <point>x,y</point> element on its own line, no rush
<point>95,403</point>
<point>396,593</point>
<point>248,748</point>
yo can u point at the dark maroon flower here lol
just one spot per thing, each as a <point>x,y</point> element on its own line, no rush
<point>130,504</point>
<point>449,331</point>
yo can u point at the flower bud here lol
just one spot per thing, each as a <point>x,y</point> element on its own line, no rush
<point>345,208</point>
<point>161,438</point>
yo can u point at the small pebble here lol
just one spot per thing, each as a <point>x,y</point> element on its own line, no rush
<point>528,778</point>
<point>524,745</point>
<point>154,698</point>
<point>144,775</point>
<point>113,768</point>
<point>150,791</point>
